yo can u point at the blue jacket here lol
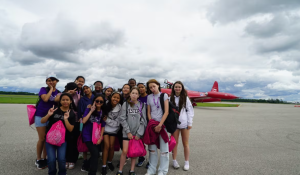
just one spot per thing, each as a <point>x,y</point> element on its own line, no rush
<point>82,105</point>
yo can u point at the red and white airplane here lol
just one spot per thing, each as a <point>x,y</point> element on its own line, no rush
<point>200,97</point>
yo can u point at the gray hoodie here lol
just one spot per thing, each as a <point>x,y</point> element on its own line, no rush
<point>112,122</point>
<point>134,122</point>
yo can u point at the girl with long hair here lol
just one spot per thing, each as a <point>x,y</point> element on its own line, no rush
<point>46,101</point>
<point>133,120</point>
<point>111,129</point>
<point>80,80</point>
<point>93,114</point>
<point>64,113</point>
<point>181,100</point>
<point>72,151</point>
<point>155,112</point>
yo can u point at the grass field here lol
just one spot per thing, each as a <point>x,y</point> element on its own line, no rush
<point>18,99</point>
<point>216,105</point>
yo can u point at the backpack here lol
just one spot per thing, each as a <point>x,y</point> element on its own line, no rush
<point>56,134</point>
<point>173,117</point>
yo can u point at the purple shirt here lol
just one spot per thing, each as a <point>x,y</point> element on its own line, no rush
<point>43,107</point>
<point>143,99</point>
<point>88,126</point>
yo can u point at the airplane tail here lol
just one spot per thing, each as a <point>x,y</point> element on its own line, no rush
<point>215,87</point>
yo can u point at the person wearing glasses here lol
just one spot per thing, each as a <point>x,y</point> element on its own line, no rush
<point>91,115</point>
<point>83,103</point>
<point>98,88</point>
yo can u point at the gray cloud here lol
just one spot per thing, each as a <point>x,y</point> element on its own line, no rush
<point>63,39</point>
<point>225,11</point>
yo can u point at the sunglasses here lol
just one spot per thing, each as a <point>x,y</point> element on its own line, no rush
<point>99,101</point>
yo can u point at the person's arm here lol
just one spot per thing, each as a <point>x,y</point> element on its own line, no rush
<point>143,125</point>
<point>87,117</point>
<point>148,109</point>
<point>111,122</point>
<point>67,123</point>
<point>165,115</point>
<point>190,113</point>
<point>49,114</point>
<point>46,97</point>
<point>123,120</point>
<point>56,99</point>
<point>101,135</point>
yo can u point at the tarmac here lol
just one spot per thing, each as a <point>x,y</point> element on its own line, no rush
<point>251,139</point>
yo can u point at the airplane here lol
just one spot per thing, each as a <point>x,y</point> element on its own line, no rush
<point>202,97</point>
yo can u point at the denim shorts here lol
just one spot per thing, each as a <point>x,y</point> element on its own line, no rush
<point>37,121</point>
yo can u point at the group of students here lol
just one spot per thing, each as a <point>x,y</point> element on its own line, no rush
<point>123,116</point>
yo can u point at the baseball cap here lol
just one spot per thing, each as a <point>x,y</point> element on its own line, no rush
<point>52,75</point>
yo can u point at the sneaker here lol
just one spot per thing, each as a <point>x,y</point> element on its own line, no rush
<point>175,164</point>
<point>131,173</point>
<point>45,162</point>
<point>80,156</point>
<point>118,173</point>
<point>186,167</point>
<point>67,165</point>
<point>103,172</point>
<point>141,161</point>
<point>40,164</point>
<point>84,167</point>
<point>147,166</point>
<point>110,166</point>
<point>71,166</point>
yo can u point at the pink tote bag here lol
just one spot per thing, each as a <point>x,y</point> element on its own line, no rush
<point>31,111</point>
<point>81,146</point>
<point>136,148</point>
<point>172,143</point>
<point>56,134</point>
<point>96,132</point>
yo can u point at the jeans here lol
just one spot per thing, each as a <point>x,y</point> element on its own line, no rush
<point>93,161</point>
<point>164,158</point>
<point>61,158</point>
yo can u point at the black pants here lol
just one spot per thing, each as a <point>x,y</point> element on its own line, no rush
<point>93,161</point>
<point>72,151</point>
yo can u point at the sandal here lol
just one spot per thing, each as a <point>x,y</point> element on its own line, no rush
<point>67,165</point>
<point>71,166</point>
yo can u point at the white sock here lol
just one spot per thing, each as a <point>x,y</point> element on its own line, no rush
<point>174,161</point>
<point>120,171</point>
<point>186,162</point>
<point>103,165</point>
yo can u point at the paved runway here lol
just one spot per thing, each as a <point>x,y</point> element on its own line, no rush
<point>251,139</point>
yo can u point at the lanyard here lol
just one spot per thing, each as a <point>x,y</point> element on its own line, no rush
<point>140,108</point>
<point>156,104</point>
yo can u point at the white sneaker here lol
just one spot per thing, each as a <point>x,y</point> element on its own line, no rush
<point>186,167</point>
<point>175,164</point>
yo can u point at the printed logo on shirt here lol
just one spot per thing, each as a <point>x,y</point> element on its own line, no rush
<point>57,116</point>
<point>52,98</point>
<point>133,111</point>
<point>94,119</point>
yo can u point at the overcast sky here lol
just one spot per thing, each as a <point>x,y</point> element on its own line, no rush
<point>250,47</point>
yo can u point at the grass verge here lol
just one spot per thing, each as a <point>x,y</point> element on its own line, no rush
<point>18,99</point>
<point>216,105</point>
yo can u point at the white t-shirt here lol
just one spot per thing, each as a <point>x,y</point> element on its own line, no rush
<point>156,110</point>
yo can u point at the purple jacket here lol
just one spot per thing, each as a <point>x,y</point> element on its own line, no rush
<point>88,126</point>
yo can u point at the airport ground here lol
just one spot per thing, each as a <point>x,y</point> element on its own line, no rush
<point>250,139</point>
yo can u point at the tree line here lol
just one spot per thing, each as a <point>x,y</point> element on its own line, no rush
<point>17,93</point>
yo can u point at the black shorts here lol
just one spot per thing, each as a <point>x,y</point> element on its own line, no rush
<point>126,138</point>
<point>115,135</point>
